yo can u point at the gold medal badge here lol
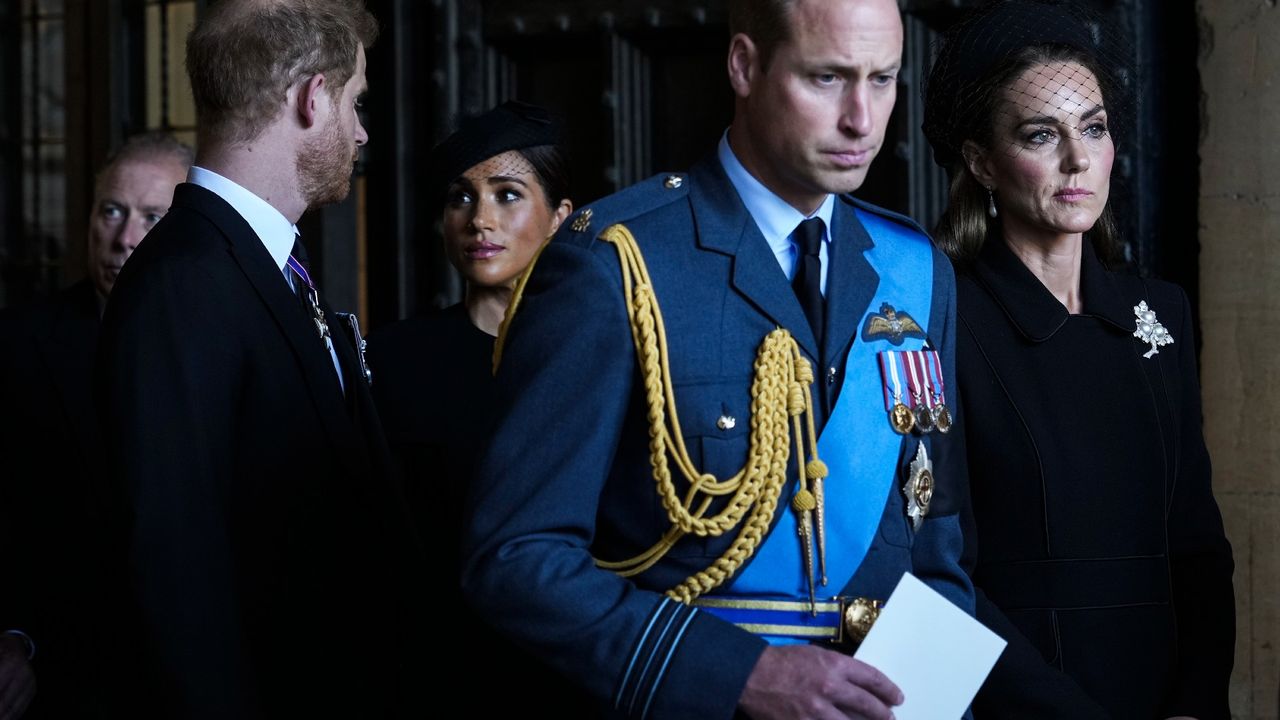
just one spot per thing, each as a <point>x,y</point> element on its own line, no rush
<point>902,419</point>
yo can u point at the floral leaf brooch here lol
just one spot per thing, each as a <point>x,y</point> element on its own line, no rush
<point>1149,330</point>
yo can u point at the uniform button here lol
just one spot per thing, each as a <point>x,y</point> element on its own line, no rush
<point>673,182</point>
<point>831,376</point>
<point>726,422</point>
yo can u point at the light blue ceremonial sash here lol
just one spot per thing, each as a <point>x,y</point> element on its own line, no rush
<point>857,444</point>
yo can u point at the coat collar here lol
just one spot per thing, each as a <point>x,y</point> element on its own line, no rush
<point>722,224</point>
<point>275,231</point>
<point>1029,305</point>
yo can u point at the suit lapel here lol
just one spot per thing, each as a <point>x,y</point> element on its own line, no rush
<point>851,281</point>
<point>723,225</point>
<point>317,367</point>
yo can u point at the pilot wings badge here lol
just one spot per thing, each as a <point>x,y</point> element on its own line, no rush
<point>892,325</point>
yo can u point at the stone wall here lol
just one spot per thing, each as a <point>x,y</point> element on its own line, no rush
<point>1240,317</point>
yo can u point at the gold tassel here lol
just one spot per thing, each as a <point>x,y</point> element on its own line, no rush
<point>816,471</point>
<point>804,503</point>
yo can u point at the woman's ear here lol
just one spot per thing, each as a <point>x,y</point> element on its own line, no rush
<point>976,159</point>
<point>562,211</point>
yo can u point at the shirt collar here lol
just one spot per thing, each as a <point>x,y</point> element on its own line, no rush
<point>773,215</point>
<point>1034,310</point>
<point>272,228</point>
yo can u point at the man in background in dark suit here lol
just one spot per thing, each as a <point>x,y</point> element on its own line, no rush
<point>48,432</point>
<point>270,562</point>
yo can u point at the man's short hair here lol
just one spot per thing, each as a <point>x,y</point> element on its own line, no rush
<point>766,22</point>
<point>149,146</point>
<point>243,56</point>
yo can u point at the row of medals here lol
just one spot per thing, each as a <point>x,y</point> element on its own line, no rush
<point>923,418</point>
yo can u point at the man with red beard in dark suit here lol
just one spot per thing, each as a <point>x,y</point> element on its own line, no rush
<point>270,562</point>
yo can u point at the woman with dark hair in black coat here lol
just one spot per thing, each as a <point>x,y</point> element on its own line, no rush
<point>502,178</point>
<point>1095,541</point>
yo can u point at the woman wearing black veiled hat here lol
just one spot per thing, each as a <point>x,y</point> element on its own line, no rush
<point>502,182</point>
<point>1100,553</point>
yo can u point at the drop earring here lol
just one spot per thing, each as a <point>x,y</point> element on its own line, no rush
<point>991,204</point>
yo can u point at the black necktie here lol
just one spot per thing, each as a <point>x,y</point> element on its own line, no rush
<point>807,282</point>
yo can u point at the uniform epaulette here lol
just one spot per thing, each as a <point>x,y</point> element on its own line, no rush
<point>644,197</point>
<point>889,214</point>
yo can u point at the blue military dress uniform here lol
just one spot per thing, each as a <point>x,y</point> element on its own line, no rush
<point>567,478</point>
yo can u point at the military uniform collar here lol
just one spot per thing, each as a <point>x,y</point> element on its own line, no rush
<point>775,217</point>
<point>1034,310</point>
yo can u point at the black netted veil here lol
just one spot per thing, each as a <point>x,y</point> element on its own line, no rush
<point>963,101</point>
<point>513,125</point>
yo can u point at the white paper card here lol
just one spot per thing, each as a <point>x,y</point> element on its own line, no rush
<point>935,652</point>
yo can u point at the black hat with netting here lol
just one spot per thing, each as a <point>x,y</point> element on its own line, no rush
<point>1013,62</point>
<point>513,125</point>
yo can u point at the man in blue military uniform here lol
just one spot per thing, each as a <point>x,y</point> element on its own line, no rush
<point>722,404</point>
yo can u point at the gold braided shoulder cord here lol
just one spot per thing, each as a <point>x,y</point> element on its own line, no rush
<point>781,408</point>
<point>517,292</point>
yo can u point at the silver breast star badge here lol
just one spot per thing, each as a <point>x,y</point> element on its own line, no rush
<point>1150,330</point>
<point>919,487</point>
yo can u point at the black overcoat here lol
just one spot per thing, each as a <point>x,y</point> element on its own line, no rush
<point>1098,547</point>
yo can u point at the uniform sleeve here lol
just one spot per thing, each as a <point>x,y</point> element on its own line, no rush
<point>1200,557</point>
<point>939,544</point>
<point>166,396</point>
<point>566,388</point>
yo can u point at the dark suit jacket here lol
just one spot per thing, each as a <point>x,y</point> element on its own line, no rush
<point>567,475</point>
<point>48,530</point>
<point>1100,552</point>
<point>270,559</point>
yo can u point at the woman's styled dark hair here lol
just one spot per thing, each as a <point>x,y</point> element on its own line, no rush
<point>551,165</point>
<point>965,226</point>
<point>975,64</point>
